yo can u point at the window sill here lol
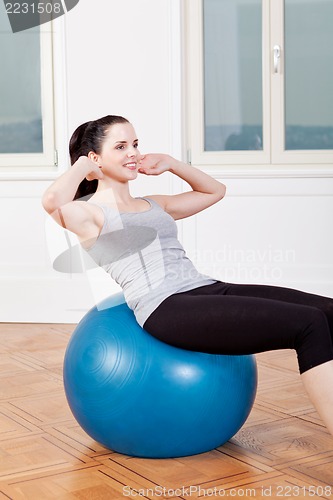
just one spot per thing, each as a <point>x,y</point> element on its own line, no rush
<point>24,173</point>
<point>268,171</point>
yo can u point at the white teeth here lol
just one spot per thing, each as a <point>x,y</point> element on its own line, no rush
<point>130,164</point>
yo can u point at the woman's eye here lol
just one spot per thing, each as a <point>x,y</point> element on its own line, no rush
<point>136,145</point>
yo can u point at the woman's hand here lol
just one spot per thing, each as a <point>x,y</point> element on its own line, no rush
<point>155,164</point>
<point>92,170</point>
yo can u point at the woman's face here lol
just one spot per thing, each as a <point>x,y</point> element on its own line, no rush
<point>119,157</point>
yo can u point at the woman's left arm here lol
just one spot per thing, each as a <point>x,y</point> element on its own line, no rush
<point>205,190</point>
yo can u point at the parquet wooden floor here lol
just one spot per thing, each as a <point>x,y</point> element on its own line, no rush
<point>282,451</point>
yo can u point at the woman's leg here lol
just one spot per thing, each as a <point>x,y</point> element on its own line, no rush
<point>228,324</point>
<point>318,382</point>
<point>284,294</point>
<point>223,323</point>
<point>291,295</point>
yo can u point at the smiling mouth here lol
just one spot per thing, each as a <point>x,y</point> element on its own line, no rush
<point>131,165</point>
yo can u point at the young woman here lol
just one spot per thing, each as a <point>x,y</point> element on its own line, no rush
<point>135,241</point>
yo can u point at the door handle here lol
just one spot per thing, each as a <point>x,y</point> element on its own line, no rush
<point>276,57</point>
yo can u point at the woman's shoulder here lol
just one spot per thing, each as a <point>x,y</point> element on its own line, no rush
<point>160,199</point>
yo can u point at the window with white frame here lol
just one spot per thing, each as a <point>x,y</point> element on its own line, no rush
<point>259,82</point>
<point>26,97</point>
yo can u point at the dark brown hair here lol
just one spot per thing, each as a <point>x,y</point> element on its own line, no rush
<point>90,137</point>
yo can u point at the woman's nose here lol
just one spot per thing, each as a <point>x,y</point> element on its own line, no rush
<point>132,152</point>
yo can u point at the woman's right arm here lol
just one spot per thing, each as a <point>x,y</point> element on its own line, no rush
<point>58,198</point>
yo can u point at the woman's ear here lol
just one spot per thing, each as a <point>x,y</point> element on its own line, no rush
<point>93,157</point>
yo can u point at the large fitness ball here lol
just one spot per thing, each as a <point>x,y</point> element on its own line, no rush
<point>142,397</point>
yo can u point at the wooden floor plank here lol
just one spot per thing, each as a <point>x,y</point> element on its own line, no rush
<point>13,426</point>
<point>41,410</point>
<point>284,442</point>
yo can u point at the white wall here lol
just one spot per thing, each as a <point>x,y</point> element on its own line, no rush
<point>124,58</point>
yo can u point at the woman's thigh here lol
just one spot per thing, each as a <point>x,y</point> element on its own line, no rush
<point>226,324</point>
<point>279,293</point>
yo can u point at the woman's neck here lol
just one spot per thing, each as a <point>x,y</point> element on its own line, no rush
<point>113,193</point>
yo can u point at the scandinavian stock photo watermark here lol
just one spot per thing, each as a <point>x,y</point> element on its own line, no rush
<point>246,264</point>
<point>23,14</point>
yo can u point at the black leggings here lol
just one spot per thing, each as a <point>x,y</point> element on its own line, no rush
<point>228,318</point>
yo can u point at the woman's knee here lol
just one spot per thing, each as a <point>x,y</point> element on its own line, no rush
<point>313,343</point>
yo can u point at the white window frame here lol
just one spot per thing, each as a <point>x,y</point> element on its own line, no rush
<point>43,165</point>
<point>273,160</point>
<point>279,155</point>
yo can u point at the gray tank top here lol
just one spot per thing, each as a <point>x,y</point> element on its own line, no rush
<point>142,253</point>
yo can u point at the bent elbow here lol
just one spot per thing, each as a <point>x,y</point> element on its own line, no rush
<point>49,202</point>
<point>223,191</point>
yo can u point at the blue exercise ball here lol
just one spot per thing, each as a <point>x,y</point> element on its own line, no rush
<point>142,397</point>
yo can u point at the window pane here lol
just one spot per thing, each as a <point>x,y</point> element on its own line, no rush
<point>309,74</point>
<point>233,75</point>
<point>20,89</point>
